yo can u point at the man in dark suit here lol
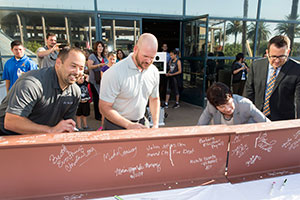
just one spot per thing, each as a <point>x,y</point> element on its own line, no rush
<point>273,83</point>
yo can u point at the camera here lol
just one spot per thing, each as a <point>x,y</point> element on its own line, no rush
<point>160,61</point>
<point>62,46</point>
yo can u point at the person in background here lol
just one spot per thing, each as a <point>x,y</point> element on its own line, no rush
<point>223,107</point>
<point>164,48</point>
<point>105,53</point>
<point>120,55</point>
<point>128,85</point>
<point>111,61</point>
<point>83,110</point>
<point>273,83</point>
<point>95,63</point>
<point>162,77</point>
<point>173,78</point>
<point>47,55</point>
<point>220,64</point>
<point>239,70</point>
<point>210,71</point>
<point>17,65</point>
<point>45,100</point>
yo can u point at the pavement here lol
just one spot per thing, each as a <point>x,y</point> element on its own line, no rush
<point>186,115</point>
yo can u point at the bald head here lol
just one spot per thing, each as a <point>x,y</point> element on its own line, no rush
<point>145,51</point>
<point>147,39</point>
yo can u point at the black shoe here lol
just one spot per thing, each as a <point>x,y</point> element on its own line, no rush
<point>176,105</point>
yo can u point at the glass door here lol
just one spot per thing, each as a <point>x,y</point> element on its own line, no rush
<point>194,33</point>
<point>120,34</point>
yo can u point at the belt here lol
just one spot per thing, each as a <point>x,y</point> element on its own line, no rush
<point>108,125</point>
<point>142,120</point>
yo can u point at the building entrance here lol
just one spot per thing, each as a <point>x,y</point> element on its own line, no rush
<point>166,32</point>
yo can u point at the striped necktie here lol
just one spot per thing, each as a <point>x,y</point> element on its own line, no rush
<point>270,86</point>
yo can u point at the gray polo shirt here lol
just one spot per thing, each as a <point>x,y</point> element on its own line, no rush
<point>38,97</point>
<point>47,61</point>
<point>128,88</point>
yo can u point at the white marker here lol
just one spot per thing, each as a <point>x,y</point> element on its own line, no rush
<point>76,129</point>
<point>283,184</point>
<point>272,188</point>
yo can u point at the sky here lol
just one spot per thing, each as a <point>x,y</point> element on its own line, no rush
<point>270,9</point>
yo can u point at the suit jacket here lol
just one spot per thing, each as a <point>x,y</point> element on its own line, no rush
<point>286,91</point>
<point>245,112</point>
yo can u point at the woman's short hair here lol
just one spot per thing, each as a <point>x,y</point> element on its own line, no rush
<point>218,94</point>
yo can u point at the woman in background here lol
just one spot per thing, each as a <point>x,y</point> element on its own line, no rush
<point>120,55</point>
<point>95,62</point>
<point>173,77</point>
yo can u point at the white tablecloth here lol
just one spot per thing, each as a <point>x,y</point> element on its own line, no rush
<point>252,190</point>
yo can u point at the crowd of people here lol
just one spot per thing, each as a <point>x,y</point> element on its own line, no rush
<point>56,97</point>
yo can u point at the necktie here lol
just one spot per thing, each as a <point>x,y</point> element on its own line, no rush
<point>270,86</point>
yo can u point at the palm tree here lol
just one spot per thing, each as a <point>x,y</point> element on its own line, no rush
<point>219,35</point>
<point>244,28</point>
<point>284,28</point>
<point>263,33</point>
<point>234,28</point>
<point>293,16</point>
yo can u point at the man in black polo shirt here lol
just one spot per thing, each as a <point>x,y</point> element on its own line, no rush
<point>45,100</point>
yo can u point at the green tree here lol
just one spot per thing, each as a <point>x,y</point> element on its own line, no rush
<point>234,28</point>
<point>284,28</point>
<point>290,30</point>
<point>32,45</point>
<point>232,49</point>
<point>263,33</point>
<point>219,35</point>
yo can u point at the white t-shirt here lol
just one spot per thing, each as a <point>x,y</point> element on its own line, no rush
<point>227,122</point>
<point>128,88</point>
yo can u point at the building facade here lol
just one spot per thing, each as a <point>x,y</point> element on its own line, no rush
<point>195,27</point>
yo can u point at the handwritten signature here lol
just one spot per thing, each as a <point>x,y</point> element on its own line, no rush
<point>120,151</point>
<point>261,142</point>
<point>292,143</point>
<point>70,159</point>
<point>240,150</point>
<point>252,160</point>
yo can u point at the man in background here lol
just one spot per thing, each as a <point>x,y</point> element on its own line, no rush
<point>164,48</point>
<point>127,86</point>
<point>17,65</point>
<point>45,100</point>
<point>47,55</point>
<point>239,70</point>
<point>273,83</point>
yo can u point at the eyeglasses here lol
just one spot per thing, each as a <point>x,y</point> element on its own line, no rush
<point>282,57</point>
